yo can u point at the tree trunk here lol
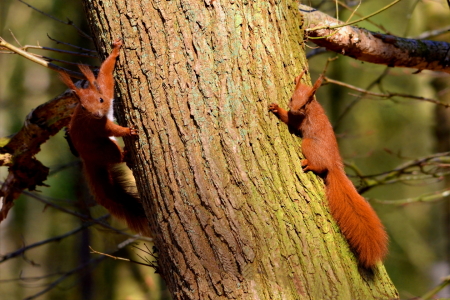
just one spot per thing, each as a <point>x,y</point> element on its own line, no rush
<point>233,214</point>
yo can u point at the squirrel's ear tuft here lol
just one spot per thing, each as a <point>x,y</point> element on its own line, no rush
<point>298,79</point>
<point>87,72</point>
<point>66,79</point>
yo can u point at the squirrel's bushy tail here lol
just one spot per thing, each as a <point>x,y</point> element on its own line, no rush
<point>356,218</point>
<point>114,190</point>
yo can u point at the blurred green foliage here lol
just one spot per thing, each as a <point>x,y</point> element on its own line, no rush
<point>375,135</point>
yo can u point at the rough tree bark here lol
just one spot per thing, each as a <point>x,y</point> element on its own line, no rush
<point>232,213</point>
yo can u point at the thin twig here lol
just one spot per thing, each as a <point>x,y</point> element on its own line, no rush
<point>84,217</point>
<point>408,14</point>
<point>316,51</point>
<point>434,166</point>
<point>72,45</point>
<point>386,95</point>
<point>353,22</point>
<point>358,14</point>
<point>50,59</point>
<point>34,278</point>
<point>429,197</point>
<point>329,60</point>
<point>432,33</point>
<point>26,47</point>
<point>431,294</point>
<point>50,240</point>
<point>37,60</point>
<point>358,98</point>
<point>69,22</point>
<point>148,252</point>
<point>75,270</point>
<point>120,258</point>
<point>67,274</point>
<point>61,167</point>
<point>14,37</point>
<point>416,162</point>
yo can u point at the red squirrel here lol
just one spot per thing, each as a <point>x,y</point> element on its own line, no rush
<point>355,217</point>
<point>91,131</point>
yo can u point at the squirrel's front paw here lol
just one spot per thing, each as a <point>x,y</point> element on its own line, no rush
<point>117,43</point>
<point>305,166</point>
<point>133,130</point>
<point>273,107</point>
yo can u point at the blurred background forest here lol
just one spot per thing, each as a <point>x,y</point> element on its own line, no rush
<point>375,135</point>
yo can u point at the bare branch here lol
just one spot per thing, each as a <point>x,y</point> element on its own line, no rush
<point>80,49</point>
<point>432,293</point>
<point>87,218</point>
<point>50,59</point>
<point>342,24</point>
<point>31,278</point>
<point>70,23</point>
<point>358,14</point>
<point>432,33</point>
<point>359,97</point>
<point>50,240</point>
<point>83,266</point>
<point>121,258</point>
<point>150,253</point>
<point>83,54</point>
<point>374,47</point>
<point>433,166</point>
<point>37,60</point>
<point>384,95</point>
<point>65,275</point>
<point>429,197</point>
<point>25,171</point>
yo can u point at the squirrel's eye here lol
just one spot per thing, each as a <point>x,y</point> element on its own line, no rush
<point>101,100</point>
<point>84,108</point>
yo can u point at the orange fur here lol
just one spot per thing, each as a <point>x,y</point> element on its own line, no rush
<point>356,218</point>
<point>90,131</point>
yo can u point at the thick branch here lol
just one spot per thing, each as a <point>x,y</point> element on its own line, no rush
<point>25,172</point>
<point>374,47</point>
